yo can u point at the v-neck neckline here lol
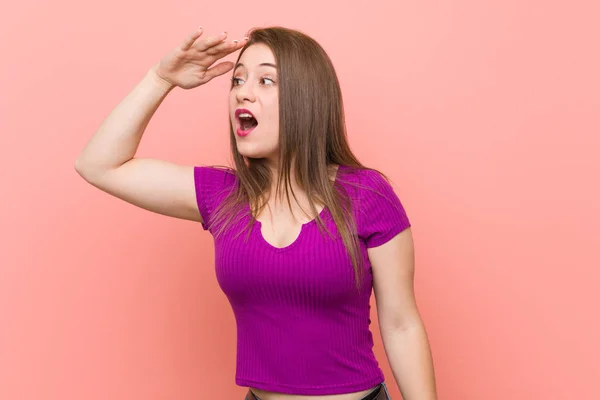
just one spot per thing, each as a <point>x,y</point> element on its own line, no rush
<point>258,225</point>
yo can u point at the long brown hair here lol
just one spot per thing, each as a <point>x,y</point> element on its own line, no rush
<point>312,134</point>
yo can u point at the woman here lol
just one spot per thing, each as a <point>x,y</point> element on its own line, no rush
<point>303,232</point>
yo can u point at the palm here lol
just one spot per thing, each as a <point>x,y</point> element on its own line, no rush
<point>190,64</point>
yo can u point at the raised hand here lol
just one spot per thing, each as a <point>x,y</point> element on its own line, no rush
<point>191,64</point>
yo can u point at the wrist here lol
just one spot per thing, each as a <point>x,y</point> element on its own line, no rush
<point>158,80</point>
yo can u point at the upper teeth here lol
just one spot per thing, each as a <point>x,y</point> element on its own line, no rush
<point>245,115</point>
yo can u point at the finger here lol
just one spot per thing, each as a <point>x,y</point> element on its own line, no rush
<point>223,49</point>
<point>211,41</point>
<point>189,41</point>
<point>219,69</point>
<point>227,47</point>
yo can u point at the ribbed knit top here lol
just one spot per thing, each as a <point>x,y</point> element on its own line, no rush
<point>302,325</point>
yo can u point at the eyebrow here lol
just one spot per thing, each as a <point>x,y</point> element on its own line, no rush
<point>260,65</point>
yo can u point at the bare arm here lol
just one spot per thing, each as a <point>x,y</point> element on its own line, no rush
<point>108,160</point>
<point>400,323</point>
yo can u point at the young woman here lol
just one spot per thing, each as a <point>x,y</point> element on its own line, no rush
<point>303,231</point>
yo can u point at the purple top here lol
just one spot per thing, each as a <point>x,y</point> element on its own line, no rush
<point>302,326</point>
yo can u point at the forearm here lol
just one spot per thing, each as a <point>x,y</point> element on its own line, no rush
<point>118,137</point>
<point>410,358</point>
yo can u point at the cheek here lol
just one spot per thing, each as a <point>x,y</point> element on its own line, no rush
<point>274,113</point>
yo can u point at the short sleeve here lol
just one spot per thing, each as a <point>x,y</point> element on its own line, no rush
<point>212,184</point>
<point>382,215</point>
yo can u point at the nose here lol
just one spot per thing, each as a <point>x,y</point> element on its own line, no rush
<point>245,92</point>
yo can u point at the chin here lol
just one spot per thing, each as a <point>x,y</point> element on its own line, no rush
<point>249,152</point>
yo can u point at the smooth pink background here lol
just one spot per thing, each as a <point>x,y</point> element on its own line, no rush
<point>483,113</point>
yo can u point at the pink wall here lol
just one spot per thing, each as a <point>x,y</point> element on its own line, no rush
<point>484,114</point>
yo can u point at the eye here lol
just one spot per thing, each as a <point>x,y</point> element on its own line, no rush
<point>235,81</point>
<point>267,81</point>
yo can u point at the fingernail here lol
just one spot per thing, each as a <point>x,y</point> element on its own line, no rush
<point>246,38</point>
<point>236,41</point>
<point>200,28</point>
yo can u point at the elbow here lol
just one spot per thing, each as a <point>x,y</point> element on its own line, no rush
<point>77,166</point>
<point>85,170</point>
<point>400,324</point>
<point>81,168</point>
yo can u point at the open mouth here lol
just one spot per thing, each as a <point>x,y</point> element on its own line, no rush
<point>246,121</point>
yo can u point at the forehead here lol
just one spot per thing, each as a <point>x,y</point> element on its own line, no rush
<point>257,54</point>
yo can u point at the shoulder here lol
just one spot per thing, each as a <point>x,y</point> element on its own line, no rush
<point>381,214</point>
<point>365,181</point>
<point>212,185</point>
<point>214,176</point>
<point>215,171</point>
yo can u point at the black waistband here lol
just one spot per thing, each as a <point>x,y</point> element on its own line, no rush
<point>376,394</point>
